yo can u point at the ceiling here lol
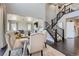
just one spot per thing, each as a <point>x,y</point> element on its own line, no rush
<point>35,10</point>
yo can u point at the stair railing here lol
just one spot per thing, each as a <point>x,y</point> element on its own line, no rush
<point>55,30</point>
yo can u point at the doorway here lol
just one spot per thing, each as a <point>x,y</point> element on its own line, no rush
<point>70,29</point>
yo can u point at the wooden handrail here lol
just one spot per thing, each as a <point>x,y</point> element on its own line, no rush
<point>59,14</point>
<point>66,6</point>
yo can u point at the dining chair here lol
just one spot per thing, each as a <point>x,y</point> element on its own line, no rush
<point>44,34</point>
<point>12,42</point>
<point>45,37</point>
<point>36,44</point>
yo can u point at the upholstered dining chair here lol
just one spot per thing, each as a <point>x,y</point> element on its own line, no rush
<point>45,37</point>
<point>36,44</point>
<point>11,42</point>
<point>44,34</point>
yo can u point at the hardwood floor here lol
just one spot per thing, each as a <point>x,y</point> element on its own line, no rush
<point>70,47</point>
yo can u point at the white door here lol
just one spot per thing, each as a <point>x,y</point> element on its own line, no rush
<point>70,30</point>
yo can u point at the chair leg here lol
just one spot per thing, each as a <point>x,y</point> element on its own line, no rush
<point>22,50</point>
<point>45,45</point>
<point>27,52</point>
<point>30,54</point>
<point>41,52</point>
<point>9,52</point>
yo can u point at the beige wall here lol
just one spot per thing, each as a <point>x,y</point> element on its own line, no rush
<point>50,12</point>
<point>2,29</point>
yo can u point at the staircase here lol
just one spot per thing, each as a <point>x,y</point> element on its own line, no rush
<point>54,30</point>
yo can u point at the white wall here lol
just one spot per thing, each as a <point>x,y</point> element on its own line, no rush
<point>36,10</point>
<point>51,12</point>
<point>69,15</point>
<point>64,18</point>
<point>2,30</point>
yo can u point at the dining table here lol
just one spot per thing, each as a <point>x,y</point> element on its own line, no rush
<point>24,40</point>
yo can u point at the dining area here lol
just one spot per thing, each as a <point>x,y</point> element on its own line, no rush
<point>27,44</point>
<point>33,45</point>
<point>24,34</point>
<point>27,36</point>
